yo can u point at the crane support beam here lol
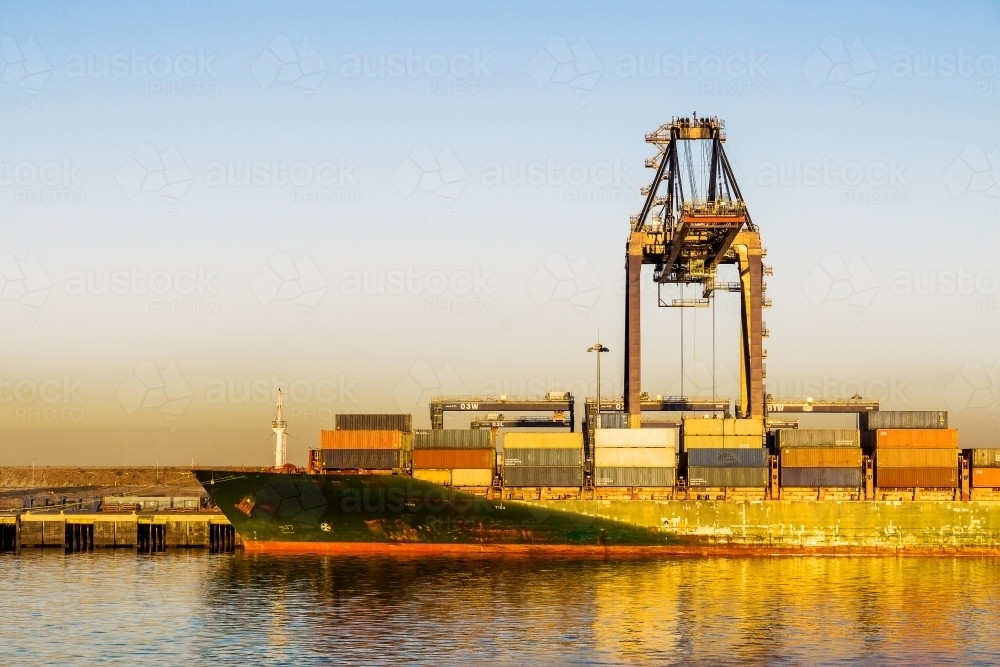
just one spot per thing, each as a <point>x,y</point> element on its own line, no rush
<point>748,252</point>
<point>633,302</point>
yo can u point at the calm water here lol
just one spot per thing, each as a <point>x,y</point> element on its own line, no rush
<point>196,609</point>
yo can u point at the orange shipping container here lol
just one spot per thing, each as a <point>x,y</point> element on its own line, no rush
<point>916,458</point>
<point>821,457</point>
<point>986,477</point>
<point>927,438</point>
<point>452,458</point>
<point>927,478</point>
<point>361,439</point>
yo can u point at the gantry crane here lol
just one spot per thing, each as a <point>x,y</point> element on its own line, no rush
<point>686,234</point>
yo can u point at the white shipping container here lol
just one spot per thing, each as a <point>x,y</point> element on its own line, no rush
<point>635,457</point>
<point>635,437</point>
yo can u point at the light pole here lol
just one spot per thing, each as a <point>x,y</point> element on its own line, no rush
<point>598,348</point>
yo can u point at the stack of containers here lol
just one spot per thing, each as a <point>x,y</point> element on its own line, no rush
<point>543,459</point>
<point>986,468</point>
<point>725,453</point>
<point>362,450</point>
<point>912,449</point>
<point>819,457</point>
<point>635,457</point>
<point>454,457</point>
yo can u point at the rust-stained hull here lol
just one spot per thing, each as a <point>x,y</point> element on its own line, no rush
<point>394,514</point>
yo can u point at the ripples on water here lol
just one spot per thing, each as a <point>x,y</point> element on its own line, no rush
<point>195,609</point>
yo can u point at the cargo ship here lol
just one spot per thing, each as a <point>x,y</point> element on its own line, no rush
<point>722,476</point>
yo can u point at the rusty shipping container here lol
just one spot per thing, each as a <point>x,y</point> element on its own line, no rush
<point>821,457</point>
<point>662,438</point>
<point>817,437</point>
<point>535,440</point>
<point>367,459</point>
<point>927,478</point>
<point>916,458</point>
<point>453,439</point>
<point>986,458</point>
<point>986,478</point>
<point>380,422</point>
<point>361,439</point>
<point>929,438</point>
<point>716,477</point>
<point>452,458</point>
<point>633,476</point>
<point>821,477</point>
<point>530,456</point>
<point>890,419</point>
<point>727,458</point>
<point>543,476</point>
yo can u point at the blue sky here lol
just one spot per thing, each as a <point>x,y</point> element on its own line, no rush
<point>204,203</point>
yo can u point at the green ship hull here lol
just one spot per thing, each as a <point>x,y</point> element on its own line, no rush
<point>391,513</point>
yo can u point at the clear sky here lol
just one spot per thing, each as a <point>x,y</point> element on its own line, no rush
<point>370,204</point>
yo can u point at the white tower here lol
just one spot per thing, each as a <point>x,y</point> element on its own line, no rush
<point>278,426</point>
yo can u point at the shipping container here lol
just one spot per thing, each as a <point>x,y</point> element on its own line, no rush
<point>722,442</point>
<point>529,456</point>
<point>361,439</point>
<point>387,422</point>
<point>369,459</point>
<point>821,457</point>
<point>633,476</point>
<point>703,426</point>
<point>453,439</point>
<point>433,476</point>
<point>636,437</point>
<point>717,477</point>
<point>727,458</point>
<point>452,458</point>
<point>543,476</point>
<point>820,477</point>
<point>929,438</point>
<point>916,458</point>
<point>928,478</point>
<point>817,437</point>
<point>986,478</point>
<point>889,419</point>
<point>986,458</point>
<point>537,440</point>
<point>472,477</point>
<point>641,457</point>
<point>614,420</point>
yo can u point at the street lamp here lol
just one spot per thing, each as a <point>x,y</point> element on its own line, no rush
<point>598,348</point>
